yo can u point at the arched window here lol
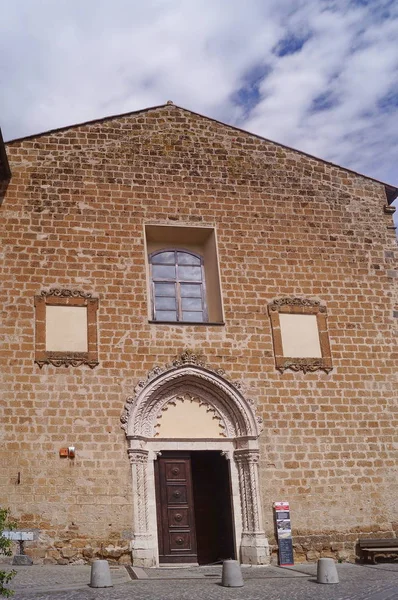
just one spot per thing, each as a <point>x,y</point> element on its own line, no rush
<point>178,286</point>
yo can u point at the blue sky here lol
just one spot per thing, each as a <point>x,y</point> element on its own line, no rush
<point>317,75</point>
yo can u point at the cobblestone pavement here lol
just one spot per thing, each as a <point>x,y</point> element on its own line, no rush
<point>214,572</point>
<point>45,578</point>
<point>357,582</point>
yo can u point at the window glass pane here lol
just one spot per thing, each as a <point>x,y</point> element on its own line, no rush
<point>190,273</point>
<point>166,315</point>
<point>163,303</point>
<point>163,272</point>
<point>191,303</point>
<point>191,290</point>
<point>164,258</point>
<point>165,289</point>
<point>183,258</point>
<point>196,317</point>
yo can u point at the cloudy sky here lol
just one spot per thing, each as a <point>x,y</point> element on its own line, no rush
<point>318,75</point>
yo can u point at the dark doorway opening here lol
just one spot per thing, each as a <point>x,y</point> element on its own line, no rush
<point>212,507</point>
<point>194,507</point>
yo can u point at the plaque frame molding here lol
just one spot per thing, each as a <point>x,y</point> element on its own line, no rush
<point>300,306</point>
<point>65,297</point>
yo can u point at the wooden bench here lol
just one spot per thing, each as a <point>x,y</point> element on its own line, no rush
<point>371,547</point>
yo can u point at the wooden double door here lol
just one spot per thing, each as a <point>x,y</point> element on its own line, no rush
<point>194,509</point>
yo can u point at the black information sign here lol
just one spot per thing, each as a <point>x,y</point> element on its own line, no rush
<point>286,552</point>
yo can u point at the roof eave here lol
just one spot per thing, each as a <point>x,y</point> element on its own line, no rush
<point>391,193</point>
<point>5,171</point>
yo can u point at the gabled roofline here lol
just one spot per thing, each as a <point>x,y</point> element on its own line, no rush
<point>5,171</point>
<point>391,191</point>
<point>93,121</point>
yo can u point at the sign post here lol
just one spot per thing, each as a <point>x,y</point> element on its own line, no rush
<point>284,533</point>
<point>20,537</point>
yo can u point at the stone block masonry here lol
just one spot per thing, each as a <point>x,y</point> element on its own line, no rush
<point>287,225</point>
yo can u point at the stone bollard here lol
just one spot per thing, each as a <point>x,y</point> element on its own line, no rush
<point>231,574</point>
<point>326,571</point>
<point>100,574</point>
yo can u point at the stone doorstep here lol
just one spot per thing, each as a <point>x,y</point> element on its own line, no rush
<point>136,572</point>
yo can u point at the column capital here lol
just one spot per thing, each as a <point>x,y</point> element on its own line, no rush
<point>137,456</point>
<point>247,455</point>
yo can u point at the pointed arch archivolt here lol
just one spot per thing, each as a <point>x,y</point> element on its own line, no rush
<point>189,377</point>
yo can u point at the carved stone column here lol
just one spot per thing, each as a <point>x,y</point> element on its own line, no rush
<point>254,546</point>
<point>142,545</point>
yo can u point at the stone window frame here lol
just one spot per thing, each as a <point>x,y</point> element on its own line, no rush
<point>65,297</point>
<point>178,281</point>
<point>200,241</point>
<point>300,306</point>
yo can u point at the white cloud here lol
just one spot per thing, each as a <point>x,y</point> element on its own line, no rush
<point>354,60</point>
<point>68,61</point>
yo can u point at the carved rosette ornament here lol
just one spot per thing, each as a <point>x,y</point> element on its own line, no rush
<point>300,306</point>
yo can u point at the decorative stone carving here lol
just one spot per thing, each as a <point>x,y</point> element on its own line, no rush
<point>276,304</point>
<point>188,358</point>
<point>254,542</point>
<point>226,454</point>
<point>137,456</point>
<point>66,361</point>
<point>63,293</point>
<point>300,306</point>
<point>306,365</point>
<point>139,461</point>
<point>247,461</point>
<point>187,374</point>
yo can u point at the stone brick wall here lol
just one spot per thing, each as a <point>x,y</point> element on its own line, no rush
<point>287,225</point>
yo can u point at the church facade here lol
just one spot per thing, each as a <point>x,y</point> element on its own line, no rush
<point>197,323</point>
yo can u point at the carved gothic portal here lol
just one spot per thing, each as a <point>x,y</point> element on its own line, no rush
<point>187,406</point>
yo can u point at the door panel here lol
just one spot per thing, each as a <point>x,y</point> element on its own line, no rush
<point>176,471</point>
<point>176,494</point>
<point>176,523</point>
<point>178,517</point>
